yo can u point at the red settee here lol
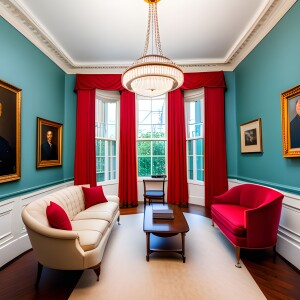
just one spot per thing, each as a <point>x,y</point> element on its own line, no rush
<point>248,215</point>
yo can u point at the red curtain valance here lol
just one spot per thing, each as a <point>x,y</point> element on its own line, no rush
<point>113,81</point>
<point>203,79</point>
<point>109,82</point>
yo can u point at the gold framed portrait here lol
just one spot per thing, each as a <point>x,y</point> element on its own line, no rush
<point>10,132</point>
<point>251,136</point>
<point>49,143</point>
<point>290,120</point>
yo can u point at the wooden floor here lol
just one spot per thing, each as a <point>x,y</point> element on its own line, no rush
<point>277,279</point>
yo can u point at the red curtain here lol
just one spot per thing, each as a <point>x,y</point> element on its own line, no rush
<point>128,168</point>
<point>85,153</point>
<point>215,177</point>
<point>177,169</point>
<point>215,173</point>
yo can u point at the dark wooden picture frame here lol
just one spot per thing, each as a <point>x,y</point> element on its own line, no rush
<point>251,137</point>
<point>49,143</point>
<point>10,132</point>
<point>290,120</point>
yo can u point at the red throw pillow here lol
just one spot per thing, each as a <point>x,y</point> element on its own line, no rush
<point>57,217</point>
<point>93,196</point>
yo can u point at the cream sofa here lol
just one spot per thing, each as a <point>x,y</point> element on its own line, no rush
<point>79,249</point>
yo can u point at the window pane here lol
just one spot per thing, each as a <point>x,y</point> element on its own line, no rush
<point>144,131</point>
<point>190,147</point>
<point>144,166</point>
<point>159,147</point>
<point>159,165</point>
<point>144,117</point>
<point>100,177</point>
<point>158,131</point>
<point>145,104</point>
<point>190,166</point>
<point>199,146</point>
<point>114,147</point>
<point>144,148</point>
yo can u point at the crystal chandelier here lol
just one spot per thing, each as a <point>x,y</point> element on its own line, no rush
<point>152,74</point>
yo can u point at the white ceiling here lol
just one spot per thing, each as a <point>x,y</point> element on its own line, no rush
<point>105,36</point>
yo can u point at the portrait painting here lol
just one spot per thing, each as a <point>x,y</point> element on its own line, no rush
<point>49,143</point>
<point>251,136</point>
<point>290,119</point>
<point>10,132</point>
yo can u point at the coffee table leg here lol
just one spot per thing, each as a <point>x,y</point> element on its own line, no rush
<point>183,246</point>
<point>148,245</point>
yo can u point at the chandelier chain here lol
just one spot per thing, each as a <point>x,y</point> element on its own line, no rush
<point>154,28</point>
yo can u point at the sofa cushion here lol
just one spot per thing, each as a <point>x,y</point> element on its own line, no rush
<point>93,196</point>
<point>92,224</point>
<point>89,239</point>
<point>105,211</point>
<point>231,216</point>
<point>57,217</point>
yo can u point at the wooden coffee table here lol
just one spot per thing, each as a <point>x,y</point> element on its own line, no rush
<point>165,228</point>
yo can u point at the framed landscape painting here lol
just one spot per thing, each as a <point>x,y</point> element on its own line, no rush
<point>49,143</point>
<point>290,120</point>
<point>251,137</point>
<point>10,132</point>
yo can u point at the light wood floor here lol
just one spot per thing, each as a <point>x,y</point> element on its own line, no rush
<point>277,279</point>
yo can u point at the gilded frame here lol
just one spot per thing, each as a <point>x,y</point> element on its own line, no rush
<point>251,137</point>
<point>49,154</point>
<point>289,113</point>
<point>10,132</point>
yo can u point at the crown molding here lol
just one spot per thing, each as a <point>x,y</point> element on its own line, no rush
<point>13,13</point>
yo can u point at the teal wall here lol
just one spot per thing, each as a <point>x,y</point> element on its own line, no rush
<point>47,92</point>
<point>230,125</point>
<point>271,68</point>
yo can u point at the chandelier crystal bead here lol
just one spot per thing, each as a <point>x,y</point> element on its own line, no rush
<point>152,74</point>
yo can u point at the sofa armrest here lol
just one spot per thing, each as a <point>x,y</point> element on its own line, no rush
<point>262,224</point>
<point>230,197</point>
<point>113,198</point>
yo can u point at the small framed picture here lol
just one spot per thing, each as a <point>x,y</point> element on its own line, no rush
<point>49,143</point>
<point>251,137</point>
<point>290,120</point>
<point>10,132</point>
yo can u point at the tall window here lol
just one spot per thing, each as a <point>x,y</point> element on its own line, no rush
<point>151,135</point>
<point>194,116</point>
<point>106,135</point>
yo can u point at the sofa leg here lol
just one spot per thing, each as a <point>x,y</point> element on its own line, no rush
<point>212,222</point>
<point>238,256</point>
<point>97,270</point>
<point>274,254</point>
<point>38,276</point>
<point>118,220</point>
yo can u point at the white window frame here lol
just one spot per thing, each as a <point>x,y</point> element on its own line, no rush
<point>189,96</point>
<point>110,96</point>
<point>165,139</point>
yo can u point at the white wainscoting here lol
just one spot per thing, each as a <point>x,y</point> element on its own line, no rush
<point>13,236</point>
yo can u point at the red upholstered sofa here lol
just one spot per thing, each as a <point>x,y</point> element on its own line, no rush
<point>248,215</point>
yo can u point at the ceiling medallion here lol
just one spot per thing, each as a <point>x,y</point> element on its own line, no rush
<point>152,74</point>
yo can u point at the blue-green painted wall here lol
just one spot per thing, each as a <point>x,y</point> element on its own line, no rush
<point>230,125</point>
<point>47,92</point>
<point>271,68</point>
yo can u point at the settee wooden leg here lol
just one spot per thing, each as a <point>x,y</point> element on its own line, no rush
<point>118,220</point>
<point>238,256</point>
<point>38,276</point>
<point>274,254</point>
<point>97,270</point>
<point>212,222</point>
